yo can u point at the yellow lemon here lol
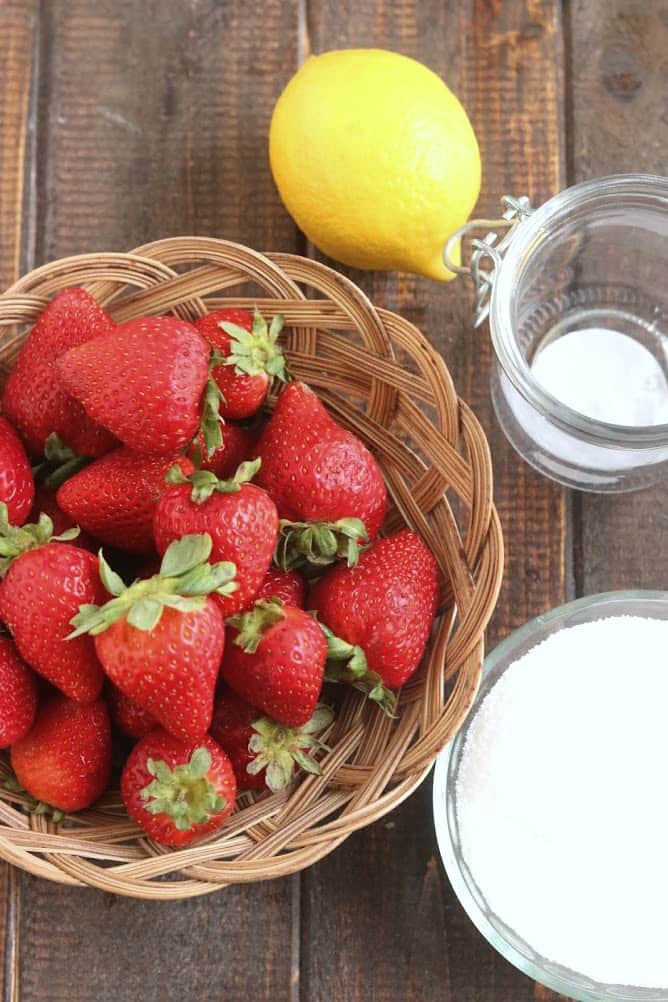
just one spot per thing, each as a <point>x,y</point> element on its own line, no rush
<point>375,159</point>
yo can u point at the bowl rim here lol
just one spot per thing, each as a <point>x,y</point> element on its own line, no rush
<point>504,651</point>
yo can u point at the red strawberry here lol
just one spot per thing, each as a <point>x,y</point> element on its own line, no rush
<point>382,612</point>
<point>277,661</point>
<point>264,754</point>
<point>316,471</point>
<point>114,498</point>
<point>240,518</point>
<point>65,759</point>
<point>18,694</point>
<point>44,585</point>
<point>128,716</point>
<point>34,400</point>
<point>161,639</point>
<point>237,447</point>
<point>45,503</point>
<point>144,381</point>
<point>178,791</point>
<point>17,487</point>
<point>252,357</point>
<point>287,585</point>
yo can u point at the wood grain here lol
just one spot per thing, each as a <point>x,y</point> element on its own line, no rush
<point>153,122</point>
<point>382,898</point>
<point>17,36</point>
<point>17,27</point>
<point>620,123</point>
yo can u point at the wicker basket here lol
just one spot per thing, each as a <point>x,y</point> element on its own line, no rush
<point>381,378</point>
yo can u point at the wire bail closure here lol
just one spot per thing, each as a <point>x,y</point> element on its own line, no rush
<point>487,248</point>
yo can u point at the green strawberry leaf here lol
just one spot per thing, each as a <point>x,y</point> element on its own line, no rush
<point>15,540</point>
<point>183,793</point>
<point>347,664</point>
<point>205,483</point>
<point>254,624</point>
<point>255,352</point>
<point>59,463</point>
<point>145,614</point>
<point>183,603</point>
<point>318,544</point>
<point>183,583</point>
<point>185,554</point>
<point>211,422</point>
<point>207,578</point>
<point>112,581</point>
<point>281,750</point>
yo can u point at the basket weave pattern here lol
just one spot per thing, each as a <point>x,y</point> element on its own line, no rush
<point>382,379</point>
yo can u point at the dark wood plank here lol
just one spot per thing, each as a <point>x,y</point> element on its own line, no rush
<point>153,122</point>
<point>382,897</point>
<point>156,119</point>
<point>17,36</point>
<point>620,124</point>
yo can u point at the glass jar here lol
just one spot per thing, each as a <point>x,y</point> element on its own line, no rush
<point>594,257</point>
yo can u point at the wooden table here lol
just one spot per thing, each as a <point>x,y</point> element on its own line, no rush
<point>126,120</point>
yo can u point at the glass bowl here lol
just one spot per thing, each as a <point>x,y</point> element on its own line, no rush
<point>560,979</point>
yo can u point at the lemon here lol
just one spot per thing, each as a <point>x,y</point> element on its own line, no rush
<point>375,159</point>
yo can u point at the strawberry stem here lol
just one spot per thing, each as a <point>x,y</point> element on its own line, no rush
<point>281,750</point>
<point>204,483</point>
<point>183,793</point>
<point>184,581</point>
<point>14,540</point>
<point>59,463</point>
<point>30,803</point>
<point>210,425</point>
<point>347,664</point>
<point>256,351</point>
<point>253,625</point>
<point>318,544</point>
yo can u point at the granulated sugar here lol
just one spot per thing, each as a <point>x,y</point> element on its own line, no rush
<point>605,375</point>
<point>562,799</point>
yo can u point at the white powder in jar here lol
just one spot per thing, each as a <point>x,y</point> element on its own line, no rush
<point>562,799</point>
<point>605,375</point>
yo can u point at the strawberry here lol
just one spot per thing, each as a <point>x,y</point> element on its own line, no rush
<point>65,759</point>
<point>240,518</point>
<point>276,661</point>
<point>237,447</point>
<point>379,614</point>
<point>264,754</point>
<point>251,357</point>
<point>45,503</point>
<point>145,381</point>
<point>17,488</point>
<point>287,585</point>
<point>161,639</point>
<point>114,498</point>
<point>127,715</point>
<point>44,583</point>
<point>34,400</point>
<point>178,791</point>
<point>316,471</point>
<point>18,694</point>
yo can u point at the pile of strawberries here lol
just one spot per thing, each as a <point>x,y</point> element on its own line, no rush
<point>189,634</point>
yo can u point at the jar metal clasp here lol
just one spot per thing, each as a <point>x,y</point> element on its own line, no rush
<point>487,252</point>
